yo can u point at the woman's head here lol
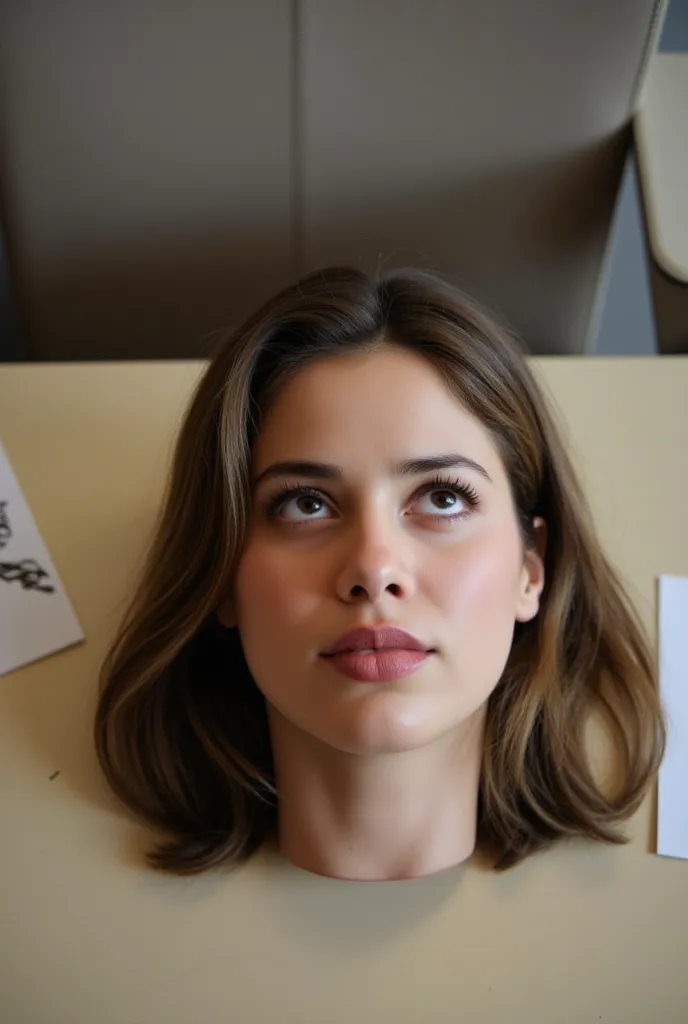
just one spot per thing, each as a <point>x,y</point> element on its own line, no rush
<point>352,525</point>
<point>366,453</point>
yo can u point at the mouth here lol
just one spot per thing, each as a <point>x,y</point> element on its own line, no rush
<point>378,665</point>
<point>372,641</point>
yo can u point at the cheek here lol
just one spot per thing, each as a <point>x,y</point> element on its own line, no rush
<point>273,593</point>
<point>478,588</point>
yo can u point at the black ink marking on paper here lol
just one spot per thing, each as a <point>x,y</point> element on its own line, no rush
<point>54,776</point>
<point>5,529</point>
<point>26,572</point>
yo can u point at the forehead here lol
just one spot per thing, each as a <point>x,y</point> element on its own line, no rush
<point>387,404</point>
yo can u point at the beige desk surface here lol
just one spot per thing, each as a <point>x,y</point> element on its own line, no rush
<point>89,936</point>
<point>661,128</point>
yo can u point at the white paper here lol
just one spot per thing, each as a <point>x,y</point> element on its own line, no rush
<point>36,617</point>
<point>672,816</point>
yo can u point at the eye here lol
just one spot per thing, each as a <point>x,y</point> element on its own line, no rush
<point>449,499</point>
<point>306,503</point>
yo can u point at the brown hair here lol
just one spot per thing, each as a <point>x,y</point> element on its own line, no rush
<point>181,728</point>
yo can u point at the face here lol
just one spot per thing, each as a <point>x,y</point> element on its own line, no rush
<point>353,541</point>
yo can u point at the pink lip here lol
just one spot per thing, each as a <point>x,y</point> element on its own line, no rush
<point>378,667</point>
<point>377,655</point>
<point>366,639</point>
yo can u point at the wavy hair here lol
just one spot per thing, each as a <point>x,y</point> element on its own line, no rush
<point>181,728</point>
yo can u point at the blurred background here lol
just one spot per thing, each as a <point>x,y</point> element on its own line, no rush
<point>166,164</point>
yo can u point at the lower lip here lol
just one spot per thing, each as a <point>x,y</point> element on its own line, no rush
<point>378,666</point>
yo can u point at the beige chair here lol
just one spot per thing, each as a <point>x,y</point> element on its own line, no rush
<point>165,173</point>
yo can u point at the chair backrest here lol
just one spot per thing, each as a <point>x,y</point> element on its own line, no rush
<point>167,166</point>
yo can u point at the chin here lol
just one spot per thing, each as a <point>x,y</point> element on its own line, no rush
<point>388,727</point>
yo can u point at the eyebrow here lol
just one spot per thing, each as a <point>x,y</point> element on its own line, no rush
<point>409,467</point>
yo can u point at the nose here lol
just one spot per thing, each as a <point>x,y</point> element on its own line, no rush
<point>376,563</point>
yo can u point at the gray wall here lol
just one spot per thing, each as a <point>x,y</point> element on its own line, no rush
<point>674,37</point>
<point>148,168</point>
<point>627,324</point>
<point>167,165</point>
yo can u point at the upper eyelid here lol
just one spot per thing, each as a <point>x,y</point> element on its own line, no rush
<point>286,487</point>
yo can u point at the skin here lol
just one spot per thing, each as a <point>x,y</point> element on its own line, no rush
<point>379,780</point>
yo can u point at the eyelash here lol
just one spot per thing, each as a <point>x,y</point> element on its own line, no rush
<point>458,487</point>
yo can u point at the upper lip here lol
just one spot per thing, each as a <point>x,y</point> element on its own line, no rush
<point>376,639</point>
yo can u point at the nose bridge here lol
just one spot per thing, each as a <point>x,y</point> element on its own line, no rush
<point>376,556</point>
<point>375,531</point>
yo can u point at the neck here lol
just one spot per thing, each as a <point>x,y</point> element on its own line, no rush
<point>377,817</point>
